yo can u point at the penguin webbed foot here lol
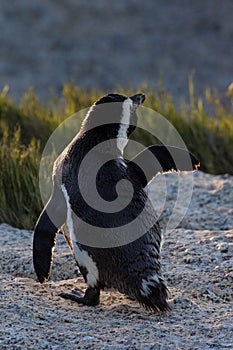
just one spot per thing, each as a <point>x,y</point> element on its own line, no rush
<point>90,298</point>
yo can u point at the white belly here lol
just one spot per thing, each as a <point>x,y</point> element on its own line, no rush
<point>81,256</point>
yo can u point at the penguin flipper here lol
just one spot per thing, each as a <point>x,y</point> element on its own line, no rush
<point>51,219</point>
<point>162,159</point>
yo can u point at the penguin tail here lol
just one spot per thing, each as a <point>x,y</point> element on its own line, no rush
<point>153,295</point>
<point>156,302</point>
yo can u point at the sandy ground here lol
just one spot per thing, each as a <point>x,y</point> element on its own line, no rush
<point>197,260</point>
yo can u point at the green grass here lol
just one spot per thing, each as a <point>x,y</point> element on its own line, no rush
<point>20,201</point>
<point>206,126</point>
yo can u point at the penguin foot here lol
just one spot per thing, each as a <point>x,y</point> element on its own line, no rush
<point>90,298</point>
<point>77,292</point>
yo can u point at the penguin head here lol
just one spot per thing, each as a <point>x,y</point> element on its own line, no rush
<point>136,99</point>
<point>114,115</point>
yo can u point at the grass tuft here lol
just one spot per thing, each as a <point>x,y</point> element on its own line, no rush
<point>205,124</point>
<point>20,202</point>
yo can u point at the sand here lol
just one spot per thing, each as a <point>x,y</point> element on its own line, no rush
<point>197,262</point>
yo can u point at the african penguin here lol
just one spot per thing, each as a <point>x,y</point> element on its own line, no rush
<point>133,268</point>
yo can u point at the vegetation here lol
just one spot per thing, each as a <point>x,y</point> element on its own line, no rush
<point>206,126</point>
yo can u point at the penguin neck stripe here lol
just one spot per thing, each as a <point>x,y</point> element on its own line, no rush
<point>122,138</point>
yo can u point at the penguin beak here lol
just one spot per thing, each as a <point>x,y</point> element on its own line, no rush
<point>138,99</point>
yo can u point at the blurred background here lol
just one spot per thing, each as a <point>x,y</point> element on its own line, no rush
<point>72,52</point>
<point>106,44</point>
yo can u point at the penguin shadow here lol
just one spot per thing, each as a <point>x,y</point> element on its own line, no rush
<point>119,304</point>
<point>132,309</point>
<point>112,302</point>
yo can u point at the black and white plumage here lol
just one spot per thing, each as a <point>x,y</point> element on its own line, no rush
<point>134,268</point>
